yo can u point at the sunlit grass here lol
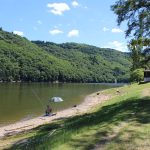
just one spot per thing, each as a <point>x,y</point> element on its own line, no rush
<point>120,123</point>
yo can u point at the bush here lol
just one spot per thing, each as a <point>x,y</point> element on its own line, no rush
<point>137,75</point>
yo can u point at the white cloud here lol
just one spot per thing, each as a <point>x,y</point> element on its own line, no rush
<point>20,33</point>
<point>39,22</point>
<point>116,30</point>
<point>75,4</point>
<point>73,33</point>
<point>58,8</point>
<point>55,32</point>
<point>105,29</point>
<point>117,45</point>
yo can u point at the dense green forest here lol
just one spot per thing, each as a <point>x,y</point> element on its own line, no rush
<point>23,60</point>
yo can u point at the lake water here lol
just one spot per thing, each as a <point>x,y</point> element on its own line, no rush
<point>21,101</point>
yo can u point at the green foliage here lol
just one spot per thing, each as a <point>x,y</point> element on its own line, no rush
<point>140,56</point>
<point>137,75</point>
<point>91,64</point>
<point>39,61</point>
<point>137,15</point>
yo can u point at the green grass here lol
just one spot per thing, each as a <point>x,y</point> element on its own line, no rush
<point>120,123</point>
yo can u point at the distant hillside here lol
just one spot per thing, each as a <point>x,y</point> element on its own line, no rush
<point>23,60</point>
<point>93,64</point>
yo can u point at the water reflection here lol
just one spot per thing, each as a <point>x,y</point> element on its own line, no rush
<point>27,100</point>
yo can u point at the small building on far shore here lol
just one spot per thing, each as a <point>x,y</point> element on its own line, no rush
<point>146,75</point>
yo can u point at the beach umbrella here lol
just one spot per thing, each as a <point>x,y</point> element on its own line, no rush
<point>56,99</point>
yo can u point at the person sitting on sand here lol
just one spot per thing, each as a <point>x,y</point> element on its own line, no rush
<point>48,110</point>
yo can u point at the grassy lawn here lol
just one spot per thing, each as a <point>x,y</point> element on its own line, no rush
<point>122,123</point>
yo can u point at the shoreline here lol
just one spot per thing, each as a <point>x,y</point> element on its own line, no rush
<point>89,102</point>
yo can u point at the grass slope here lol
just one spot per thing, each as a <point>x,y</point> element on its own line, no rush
<point>120,123</point>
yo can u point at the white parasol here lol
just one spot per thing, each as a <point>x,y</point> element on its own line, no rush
<point>56,99</point>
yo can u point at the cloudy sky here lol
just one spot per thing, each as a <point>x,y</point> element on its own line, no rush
<point>83,21</point>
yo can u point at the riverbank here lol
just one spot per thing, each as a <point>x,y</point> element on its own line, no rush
<point>22,101</point>
<point>89,102</point>
<point>120,120</point>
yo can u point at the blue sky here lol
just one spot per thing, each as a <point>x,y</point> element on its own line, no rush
<point>82,21</point>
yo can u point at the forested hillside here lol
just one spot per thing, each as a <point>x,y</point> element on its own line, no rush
<point>22,60</point>
<point>93,64</point>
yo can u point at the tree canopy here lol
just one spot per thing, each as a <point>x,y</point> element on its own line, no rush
<point>137,15</point>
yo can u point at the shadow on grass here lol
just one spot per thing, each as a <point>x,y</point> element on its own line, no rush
<point>51,135</point>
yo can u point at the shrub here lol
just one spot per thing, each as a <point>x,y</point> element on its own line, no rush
<point>137,75</point>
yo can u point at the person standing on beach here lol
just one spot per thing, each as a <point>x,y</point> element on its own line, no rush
<point>48,110</point>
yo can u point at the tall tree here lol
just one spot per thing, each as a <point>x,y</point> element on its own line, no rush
<point>140,53</point>
<point>137,15</point>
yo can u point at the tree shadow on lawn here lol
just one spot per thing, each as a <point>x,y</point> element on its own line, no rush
<point>51,135</point>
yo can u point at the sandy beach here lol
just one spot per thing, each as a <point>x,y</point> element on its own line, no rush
<point>89,102</point>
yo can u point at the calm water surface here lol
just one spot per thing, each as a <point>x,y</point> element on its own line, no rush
<point>21,101</point>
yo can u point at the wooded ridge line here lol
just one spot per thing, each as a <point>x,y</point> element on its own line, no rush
<point>38,61</point>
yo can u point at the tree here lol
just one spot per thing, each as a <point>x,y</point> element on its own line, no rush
<point>137,15</point>
<point>140,58</point>
<point>137,75</point>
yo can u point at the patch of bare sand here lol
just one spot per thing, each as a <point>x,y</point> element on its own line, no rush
<point>146,92</point>
<point>89,102</point>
